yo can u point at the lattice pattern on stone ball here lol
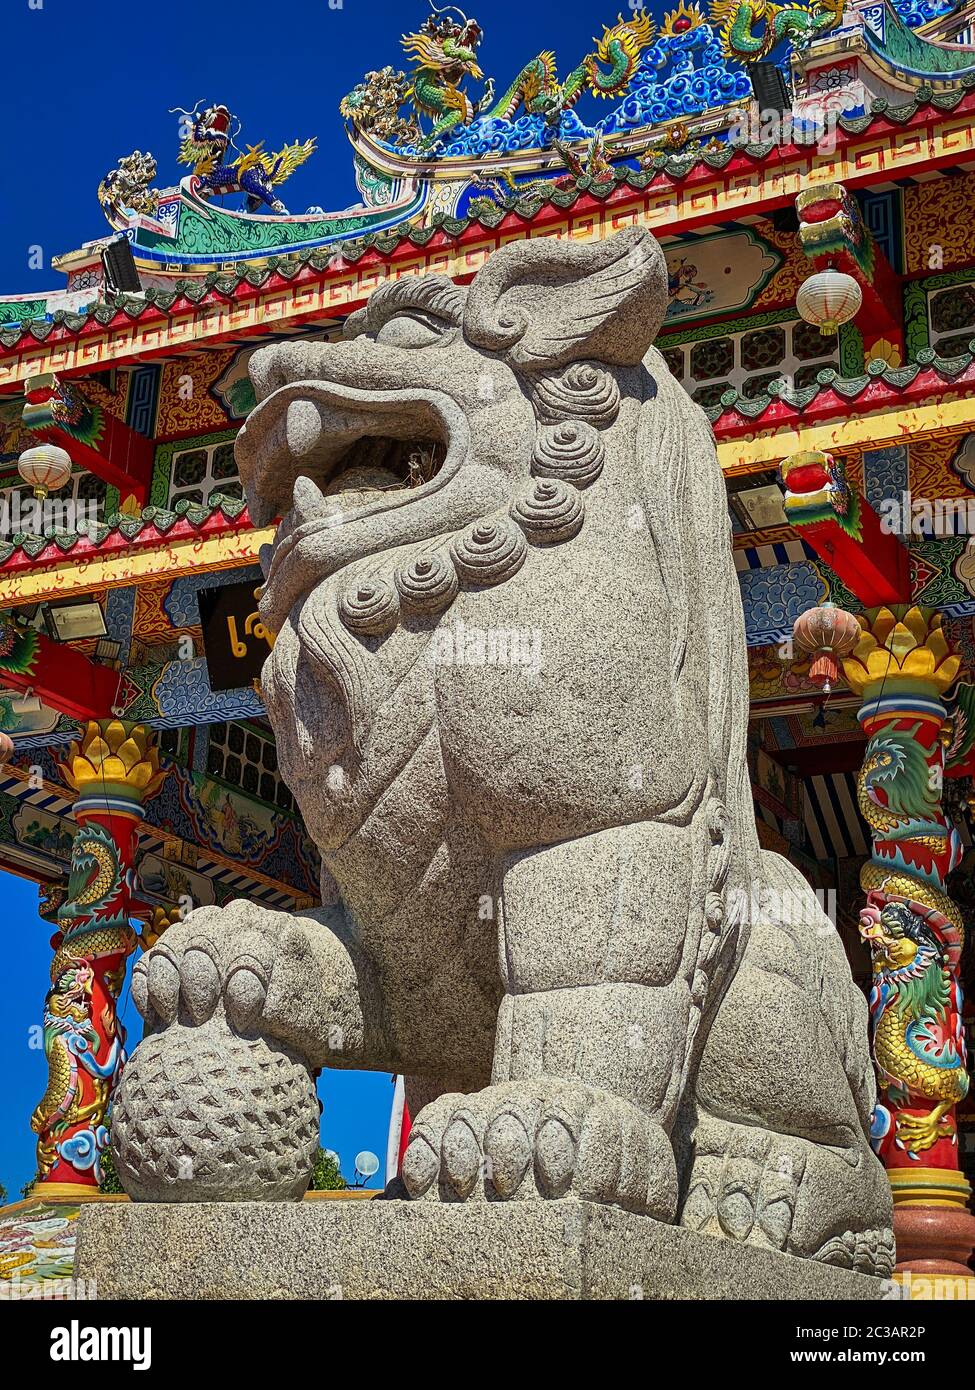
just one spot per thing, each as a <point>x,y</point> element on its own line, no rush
<point>240,1112</point>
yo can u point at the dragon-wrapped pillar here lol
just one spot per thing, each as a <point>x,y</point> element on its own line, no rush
<point>901,668</point>
<point>113,767</point>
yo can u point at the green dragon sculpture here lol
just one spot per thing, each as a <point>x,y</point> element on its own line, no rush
<point>895,793</point>
<point>736,22</point>
<point>445,53</point>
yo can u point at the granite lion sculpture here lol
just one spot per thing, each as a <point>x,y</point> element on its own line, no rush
<point>510,695</point>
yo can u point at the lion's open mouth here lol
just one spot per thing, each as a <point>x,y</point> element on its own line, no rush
<point>322,457</point>
<point>372,470</point>
<point>345,442</point>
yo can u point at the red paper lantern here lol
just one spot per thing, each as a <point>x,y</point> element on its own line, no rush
<point>826,633</point>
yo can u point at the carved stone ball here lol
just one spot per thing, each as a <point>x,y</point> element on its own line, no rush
<point>241,1119</point>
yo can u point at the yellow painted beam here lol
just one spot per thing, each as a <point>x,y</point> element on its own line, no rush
<point>853,433</point>
<point>116,569</point>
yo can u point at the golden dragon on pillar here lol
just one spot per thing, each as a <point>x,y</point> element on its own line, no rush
<point>113,768</point>
<point>902,667</point>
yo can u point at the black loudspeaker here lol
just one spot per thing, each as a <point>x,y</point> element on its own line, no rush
<point>769,87</point>
<point>121,276</point>
<point>785,219</point>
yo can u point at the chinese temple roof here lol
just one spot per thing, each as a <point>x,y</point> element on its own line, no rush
<point>41,319</point>
<point>680,97</point>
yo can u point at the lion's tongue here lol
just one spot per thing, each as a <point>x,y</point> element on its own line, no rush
<point>356,487</point>
<point>352,488</point>
<point>357,482</point>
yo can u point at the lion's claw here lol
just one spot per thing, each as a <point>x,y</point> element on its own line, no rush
<point>544,1138</point>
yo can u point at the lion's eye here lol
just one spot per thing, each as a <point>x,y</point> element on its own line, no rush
<point>406,331</point>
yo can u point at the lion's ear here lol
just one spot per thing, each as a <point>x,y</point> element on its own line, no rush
<point>544,303</point>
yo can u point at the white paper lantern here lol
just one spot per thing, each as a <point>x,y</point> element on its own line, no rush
<point>45,468</point>
<point>829,299</point>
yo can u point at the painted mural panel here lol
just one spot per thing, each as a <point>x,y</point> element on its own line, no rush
<point>717,274</point>
<point>939,227</point>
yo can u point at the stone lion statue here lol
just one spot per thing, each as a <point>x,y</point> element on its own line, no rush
<point>510,695</point>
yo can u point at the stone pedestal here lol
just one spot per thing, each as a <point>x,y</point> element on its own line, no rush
<point>414,1250</point>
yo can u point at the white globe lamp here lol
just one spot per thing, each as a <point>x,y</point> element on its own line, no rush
<point>45,468</point>
<point>829,299</point>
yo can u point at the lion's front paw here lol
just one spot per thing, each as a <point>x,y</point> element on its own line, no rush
<point>543,1138</point>
<point>218,1101</point>
<point>215,957</point>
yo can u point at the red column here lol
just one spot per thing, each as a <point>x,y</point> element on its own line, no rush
<point>113,768</point>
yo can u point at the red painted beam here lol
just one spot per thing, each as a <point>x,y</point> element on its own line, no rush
<point>875,567</point>
<point>842,527</point>
<point>151,537</point>
<point>59,414</point>
<point>820,759</point>
<point>57,674</point>
<point>827,405</point>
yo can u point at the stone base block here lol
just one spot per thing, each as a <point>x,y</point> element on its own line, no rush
<point>404,1250</point>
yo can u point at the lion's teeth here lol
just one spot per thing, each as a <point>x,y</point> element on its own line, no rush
<point>304,427</point>
<point>309,504</point>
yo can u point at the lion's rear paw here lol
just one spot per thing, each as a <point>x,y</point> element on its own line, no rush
<point>543,1138</point>
<point>785,1192</point>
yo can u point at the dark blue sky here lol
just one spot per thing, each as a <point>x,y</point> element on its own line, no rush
<point>90,82</point>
